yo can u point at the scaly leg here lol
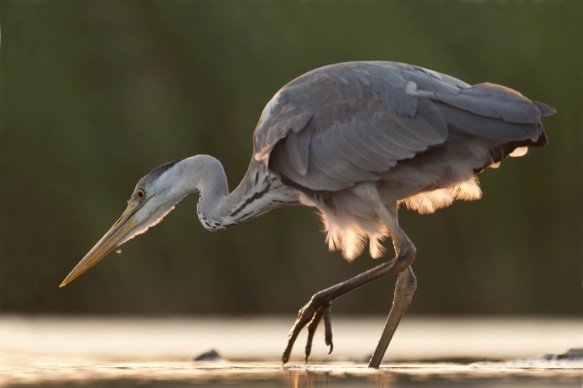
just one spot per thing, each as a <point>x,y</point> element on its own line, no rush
<point>404,290</point>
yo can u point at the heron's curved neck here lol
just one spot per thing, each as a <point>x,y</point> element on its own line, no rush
<point>217,208</point>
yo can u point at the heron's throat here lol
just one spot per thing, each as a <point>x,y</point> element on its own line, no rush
<point>257,193</point>
<point>224,212</point>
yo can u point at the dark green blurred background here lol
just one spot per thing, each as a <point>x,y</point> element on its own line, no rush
<point>96,93</point>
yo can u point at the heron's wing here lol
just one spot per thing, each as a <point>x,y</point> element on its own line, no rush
<point>347,123</point>
<point>491,111</point>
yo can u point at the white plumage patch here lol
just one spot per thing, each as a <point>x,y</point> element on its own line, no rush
<point>349,232</point>
<point>429,201</point>
<point>350,235</point>
<point>518,152</point>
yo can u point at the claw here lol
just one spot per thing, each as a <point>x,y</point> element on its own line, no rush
<point>312,326</point>
<point>291,339</point>
<point>294,332</point>
<point>311,314</point>
<point>328,329</point>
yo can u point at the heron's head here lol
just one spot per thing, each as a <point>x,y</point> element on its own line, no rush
<point>153,198</point>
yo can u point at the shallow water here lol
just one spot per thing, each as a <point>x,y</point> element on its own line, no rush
<point>535,373</point>
<point>121,352</point>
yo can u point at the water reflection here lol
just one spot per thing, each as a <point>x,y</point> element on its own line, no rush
<point>391,380</point>
<point>310,379</point>
<point>297,379</point>
<point>257,374</point>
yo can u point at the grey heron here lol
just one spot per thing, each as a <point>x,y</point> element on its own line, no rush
<point>353,140</point>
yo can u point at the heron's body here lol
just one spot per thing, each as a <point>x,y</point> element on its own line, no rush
<point>353,140</point>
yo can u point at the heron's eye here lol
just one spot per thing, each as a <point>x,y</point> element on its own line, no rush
<point>141,194</point>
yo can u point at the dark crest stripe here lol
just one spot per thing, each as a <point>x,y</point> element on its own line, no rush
<point>249,200</point>
<point>155,173</point>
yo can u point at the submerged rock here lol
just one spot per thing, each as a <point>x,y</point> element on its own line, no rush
<point>573,354</point>
<point>209,355</point>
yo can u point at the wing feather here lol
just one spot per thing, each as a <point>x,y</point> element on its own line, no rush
<point>323,160</point>
<point>401,136</point>
<point>298,148</point>
<point>487,127</point>
<point>494,101</point>
<point>351,172</point>
<point>378,136</point>
<point>355,155</point>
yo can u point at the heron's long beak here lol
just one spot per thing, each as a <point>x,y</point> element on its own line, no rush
<point>108,243</point>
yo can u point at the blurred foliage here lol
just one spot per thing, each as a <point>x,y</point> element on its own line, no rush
<point>94,94</point>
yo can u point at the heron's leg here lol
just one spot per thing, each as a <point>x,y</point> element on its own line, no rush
<point>319,305</point>
<point>404,290</point>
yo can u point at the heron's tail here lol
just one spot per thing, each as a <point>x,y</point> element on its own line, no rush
<point>545,110</point>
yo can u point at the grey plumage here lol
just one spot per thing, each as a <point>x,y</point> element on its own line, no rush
<point>346,123</point>
<point>353,140</point>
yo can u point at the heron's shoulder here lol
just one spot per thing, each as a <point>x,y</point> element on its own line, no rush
<point>343,91</point>
<point>355,84</point>
<point>365,75</point>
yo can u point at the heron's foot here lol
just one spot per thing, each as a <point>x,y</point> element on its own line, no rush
<point>311,314</point>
